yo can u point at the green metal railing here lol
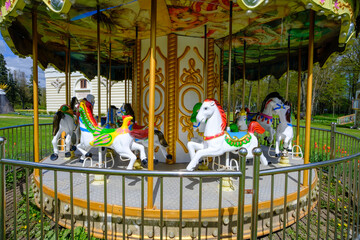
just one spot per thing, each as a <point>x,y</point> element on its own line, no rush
<point>331,209</point>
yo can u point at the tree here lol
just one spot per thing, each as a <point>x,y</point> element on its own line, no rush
<point>3,70</point>
<point>22,87</point>
<point>12,92</point>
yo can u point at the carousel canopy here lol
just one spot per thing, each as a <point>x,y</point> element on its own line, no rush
<point>267,27</point>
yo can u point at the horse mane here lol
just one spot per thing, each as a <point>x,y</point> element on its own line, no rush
<point>73,102</point>
<point>221,110</point>
<point>271,95</point>
<point>288,112</point>
<point>129,110</point>
<point>86,105</point>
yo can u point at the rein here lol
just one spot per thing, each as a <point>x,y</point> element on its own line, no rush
<point>214,136</point>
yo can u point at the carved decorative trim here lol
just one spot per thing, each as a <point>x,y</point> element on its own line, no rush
<point>138,81</point>
<point>58,84</point>
<point>210,69</point>
<point>191,75</point>
<point>172,95</point>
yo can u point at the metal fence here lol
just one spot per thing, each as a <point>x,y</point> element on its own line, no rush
<point>329,209</point>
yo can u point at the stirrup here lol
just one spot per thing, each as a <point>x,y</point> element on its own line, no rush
<point>61,146</point>
<point>111,160</point>
<point>218,164</point>
<point>271,151</point>
<point>293,153</point>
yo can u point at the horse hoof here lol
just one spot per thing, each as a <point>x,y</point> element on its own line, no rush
<point>89,154</point>
<point>103,149</point>
<point>156,161</point>
<point>67,154</point>
<point>289,150</point>
<point>277,154</point>
<point>54,156</point>
<point>169,157</point>
<point>144,163</point>
<point>73,148</point>
<point>269,162</point>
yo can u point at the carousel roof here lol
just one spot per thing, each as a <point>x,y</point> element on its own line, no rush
<point>266,26</point>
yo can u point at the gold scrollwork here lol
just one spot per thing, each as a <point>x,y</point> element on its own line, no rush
<point>187,126</point>
<point>191,75</point>
<point>159,76</point>
<point>158,120</point>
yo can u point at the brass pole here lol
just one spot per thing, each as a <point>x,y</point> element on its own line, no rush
<point>98,63</point>
<point>109,81</point>
<point>128,78</point>
<point>244,74</point>
<point>35,85</point>
<point>151,102</point>
<point>205,63</point>
<point>288,71</point>
<point>67,77</point>
<point>69,70</point>
<point>299,102</point>
<point>230,50</point>
<point>258,89</point>
<point>309,96</point>
<point>234,86</point>
<point>126,90</point>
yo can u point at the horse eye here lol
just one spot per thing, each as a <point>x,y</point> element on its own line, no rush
<point>205,108</point>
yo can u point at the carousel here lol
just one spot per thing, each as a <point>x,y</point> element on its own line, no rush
<point>178,55</point>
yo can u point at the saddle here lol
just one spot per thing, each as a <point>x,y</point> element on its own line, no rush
<point>237,139</point>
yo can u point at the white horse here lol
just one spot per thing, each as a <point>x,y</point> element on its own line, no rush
<point>265,116</point>
<point>284,130</point>
<point>120,139</point>
<point>159,139</point>
<point>65,120</point>
<point>216,140</point>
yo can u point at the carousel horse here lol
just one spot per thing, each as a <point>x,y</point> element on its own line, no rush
<point>284,130</point>
<point>120,139</point>
<point>159,139</point>
<point>111,118</point>
<point>65,120</point>
<point>265,116</point>
<point>216,140</point>
<point>241,120</point>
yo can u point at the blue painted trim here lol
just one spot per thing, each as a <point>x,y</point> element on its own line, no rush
<point>84,129</point>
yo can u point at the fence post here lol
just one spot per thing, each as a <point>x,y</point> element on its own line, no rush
<point>332,140</point>
<point>2,189</point>
<point>240,228</point>
<point>255,198</point>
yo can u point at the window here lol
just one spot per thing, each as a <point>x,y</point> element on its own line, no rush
<point>83,83</point>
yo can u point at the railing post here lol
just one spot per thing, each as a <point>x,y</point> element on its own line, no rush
<point>2,190</point>
<point>255,198</point>
<point>332,140</point>
<point>240,228</point>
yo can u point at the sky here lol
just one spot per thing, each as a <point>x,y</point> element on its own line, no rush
<point>14,62</point>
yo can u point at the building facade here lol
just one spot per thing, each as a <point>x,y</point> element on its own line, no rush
<point>80,88</point>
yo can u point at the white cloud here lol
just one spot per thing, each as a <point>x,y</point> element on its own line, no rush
<point>24,65</point>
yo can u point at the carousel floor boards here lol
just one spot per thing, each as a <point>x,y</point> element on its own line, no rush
<point>171,201</point>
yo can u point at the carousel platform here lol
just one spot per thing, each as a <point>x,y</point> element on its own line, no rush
<point>171,203</point>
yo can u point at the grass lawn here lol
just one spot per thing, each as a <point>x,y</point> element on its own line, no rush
<point>7,120</point>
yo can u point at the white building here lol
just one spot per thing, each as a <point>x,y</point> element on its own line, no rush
<point>80,87</point>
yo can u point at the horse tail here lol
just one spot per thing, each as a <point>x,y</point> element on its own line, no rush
<point>255,127</point>
<point>56,122</point>
<point>139,133</point>
<point>161,137</point>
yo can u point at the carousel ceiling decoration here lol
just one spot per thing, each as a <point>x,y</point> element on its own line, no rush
<point>266,26</point>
